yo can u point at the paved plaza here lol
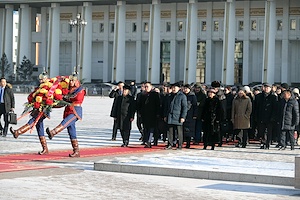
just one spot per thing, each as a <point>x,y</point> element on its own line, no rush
<point>79,178</point>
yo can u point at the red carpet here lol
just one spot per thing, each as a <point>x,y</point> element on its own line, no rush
<point>13,162</point>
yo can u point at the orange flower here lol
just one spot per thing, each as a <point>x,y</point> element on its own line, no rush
<point>64,84</point>
<point>39,99</point>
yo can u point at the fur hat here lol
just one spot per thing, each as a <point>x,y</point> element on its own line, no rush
<point>267,85</point>
<point>188,86</point>
<point>43,75</point>
<point>284,86</point>
<point>215,84</point>
<point>177,84</point>
<point>126,87</point>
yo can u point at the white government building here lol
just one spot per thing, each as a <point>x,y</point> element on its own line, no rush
<point>232,41</point>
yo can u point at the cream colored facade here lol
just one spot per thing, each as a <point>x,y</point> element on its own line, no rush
<point>193,41</point>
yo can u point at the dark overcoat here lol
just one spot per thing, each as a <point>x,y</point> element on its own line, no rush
<point>149,108</point>
<point>289,114</point>
<point>176,108</point>
<point>9,99</point>
<point>123,110</point>
<point>265,107</point>
<point>190,121</point>
<point>211,117</point>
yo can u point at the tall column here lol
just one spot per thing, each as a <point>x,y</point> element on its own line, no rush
<point>209,43</point>
<point>119,42</point>
<point>2,29</point>
<point>138,44</point>
<point>24,32</point>
<point>269,42</point>
<point>228,43</point>
<point>154,43</point>
<point>285,69</point>
<point>43,46</point>
<point>173,43</point>
<point>86,44</point>
<point>7,45</point>
<point>106,67</point>
<point>191,42</point>
<point>53,40</point>
<point>246,43</point>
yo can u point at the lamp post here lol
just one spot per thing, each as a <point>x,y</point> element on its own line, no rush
<point>78,23</point>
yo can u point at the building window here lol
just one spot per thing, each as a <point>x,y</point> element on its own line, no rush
<point>101,27</point>
<point>203,26</point>
<point>293,24</point>
<point>216,25</point>
<point>238,63</point>
<point>279,25</point>
<point>134,27</point>
<point>253,25</point>
<point>168,27</point>
<point>146,27</point>
<point>112,27</point>
<point>16,25</point>
<point>70,29</point>
<point>16,38</point>
<point>180,26</point>
<point>241,25</point>
<point>201,62</point>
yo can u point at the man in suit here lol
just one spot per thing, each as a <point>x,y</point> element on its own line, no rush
<point>7,104</point>
<point>117,91</point>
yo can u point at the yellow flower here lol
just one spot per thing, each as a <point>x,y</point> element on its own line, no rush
<point>67,80</point>
<point>43,91</point>
<point>64,85</point>
<point>58,91</point>
<point>42,85</point>
<point>54,79</point>
<point>49,84</point>
<point>39,99</point>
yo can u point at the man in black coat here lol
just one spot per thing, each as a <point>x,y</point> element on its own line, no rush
<point>148,108</point>
<point>265,114</point>
<point>289,113</point>
<point>117,91</point>
<point>123,111</point>
<point>7,104</point>
<point>201,96</point>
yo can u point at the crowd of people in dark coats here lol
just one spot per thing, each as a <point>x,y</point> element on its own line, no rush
<point>193,113</point>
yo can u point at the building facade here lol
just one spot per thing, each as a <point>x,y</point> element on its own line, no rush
<point>233,41</point>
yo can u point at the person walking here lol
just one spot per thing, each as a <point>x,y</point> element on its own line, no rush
<point>290,119</point>
<point>39,123</point>
<point>175,115</point>
<point>192,111</point>
<point>7,104</point>
<point>148,108</point>
<point>72,114</point>
<point>241,112</point>
<point>123,111</point>
<point>117,91</point>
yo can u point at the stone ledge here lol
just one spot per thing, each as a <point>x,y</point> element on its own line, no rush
<point>297,172</point>
<point>199,174</point>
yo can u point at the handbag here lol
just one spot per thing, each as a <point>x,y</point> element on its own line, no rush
<point>12,118</point>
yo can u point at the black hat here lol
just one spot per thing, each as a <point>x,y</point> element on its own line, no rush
<point>284,86</point>
<point>197,86</point>
<point>127,87</point>
<point>177,84</point>
<point>215,84</point>
<point>188,86</point>
<point>267,85</point>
